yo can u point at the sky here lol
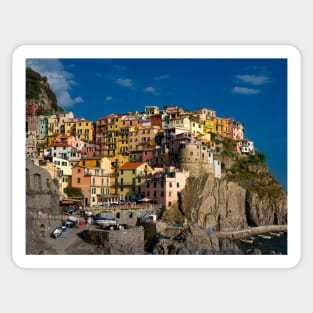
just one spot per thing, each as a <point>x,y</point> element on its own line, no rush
<point>252,91</point>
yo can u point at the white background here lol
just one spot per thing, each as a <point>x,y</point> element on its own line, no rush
<point>159,22</point>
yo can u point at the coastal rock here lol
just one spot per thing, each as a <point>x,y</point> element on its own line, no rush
<point>215,203</point>
<point>193,240</point>
<point>246,195</point>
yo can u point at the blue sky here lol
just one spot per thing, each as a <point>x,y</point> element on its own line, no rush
<point>253,91</point>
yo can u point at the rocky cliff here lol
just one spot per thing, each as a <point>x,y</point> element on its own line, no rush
<point>246,195</point>
<point>38,88</point>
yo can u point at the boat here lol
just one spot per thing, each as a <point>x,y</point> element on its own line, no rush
<point>246,240</point>
<point>57,232</point>
<point>105,221</point>
<point>265,236</point>
<point>275,234</point>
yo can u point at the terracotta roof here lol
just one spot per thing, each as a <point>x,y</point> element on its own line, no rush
<point>60,145</point>
<point>131,165</point>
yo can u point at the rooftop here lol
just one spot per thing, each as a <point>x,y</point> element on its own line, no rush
<point>131,165</point>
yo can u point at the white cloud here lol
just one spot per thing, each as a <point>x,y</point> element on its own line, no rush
<point>255,80</point>
<point>245,91</point>
<point>125,82</point>
<point>149,89</point>
<point>59,80</point>
<point>108,98</point>
<point>152,90</point>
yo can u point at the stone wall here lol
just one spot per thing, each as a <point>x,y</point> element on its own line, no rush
<point>126,241</point>
<point>196,168</point>
<point>41,192</point>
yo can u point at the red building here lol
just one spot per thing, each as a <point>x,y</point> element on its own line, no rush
<point>32,107</point>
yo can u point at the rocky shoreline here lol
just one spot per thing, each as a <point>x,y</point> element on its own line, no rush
<point>251,231</point>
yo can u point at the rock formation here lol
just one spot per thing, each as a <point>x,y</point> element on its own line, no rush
<point>246,195</point>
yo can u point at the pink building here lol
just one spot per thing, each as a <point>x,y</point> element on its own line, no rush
<point>94,183</point>
<point>70,141</point>
<point>129,121</point>
<point>89,149</point>
<point>164,187</point>
<point>32,107</point>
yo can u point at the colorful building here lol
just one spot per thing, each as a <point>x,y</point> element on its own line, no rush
<point>65,151</point>
<point>164,186</point>
<point>84,130</point>
<point>130,178</point>
<point>94,182</point>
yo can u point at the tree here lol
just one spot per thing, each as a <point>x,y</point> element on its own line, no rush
<point>73,192</point>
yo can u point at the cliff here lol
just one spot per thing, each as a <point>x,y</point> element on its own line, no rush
<point>38,88</point>
<point>246,195</point>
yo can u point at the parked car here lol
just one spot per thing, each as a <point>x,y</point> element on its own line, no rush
<point>70,224</point>
<point>68,211</point>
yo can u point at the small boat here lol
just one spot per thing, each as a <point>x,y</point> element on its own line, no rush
<point>275,234</point>
<point>246,240</point>
<point>57,232</point>
<point>105,221</point>
<point>265,236</point>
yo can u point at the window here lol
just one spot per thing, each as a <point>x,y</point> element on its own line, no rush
<point>78,180</point>
<point>134,171</point>
<point>170,184</point>
<point>169,203</point>
<point>177,184</point>
<point>162,194</point>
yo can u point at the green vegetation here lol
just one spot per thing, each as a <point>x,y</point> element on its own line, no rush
<point>252,174</point>
<point>73,192</point>
<point>32,84</point>
<point>36,86</point>
<point>229,146</point>
<point>257,158</point>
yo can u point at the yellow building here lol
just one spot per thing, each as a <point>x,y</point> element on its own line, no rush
<point>131,176</point>
<point>84,129</point>
<point>151,110</point>
<point>112,139</point>
<point>210,125</point>
<point>69,128</point>
<point>53,125</point>
<point>221,126</point>
<point>196,126</point>
<point>100,162</point>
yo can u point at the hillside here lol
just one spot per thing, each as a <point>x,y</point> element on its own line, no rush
<point>37,88</point>
<point>247,195</point>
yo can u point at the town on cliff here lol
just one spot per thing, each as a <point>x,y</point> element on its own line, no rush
<point>179,167</point>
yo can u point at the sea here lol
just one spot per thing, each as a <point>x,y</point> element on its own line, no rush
<point>274,245</point>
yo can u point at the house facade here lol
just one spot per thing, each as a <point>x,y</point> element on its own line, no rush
<point>164,186</point>
<point>130,178</point>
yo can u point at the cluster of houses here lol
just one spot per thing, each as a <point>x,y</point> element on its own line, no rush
<point>132,156</point>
